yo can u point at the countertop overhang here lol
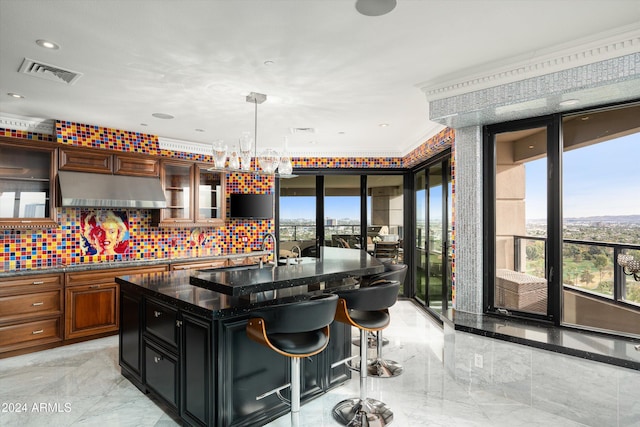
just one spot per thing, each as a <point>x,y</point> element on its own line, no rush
<point>331,264</point>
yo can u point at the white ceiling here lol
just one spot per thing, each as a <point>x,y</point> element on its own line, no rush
<point>333,70</point>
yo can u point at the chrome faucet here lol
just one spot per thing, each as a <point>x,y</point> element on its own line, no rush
<point>275,245</point>
<point>299,250</point>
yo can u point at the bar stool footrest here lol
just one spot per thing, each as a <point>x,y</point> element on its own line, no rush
<point>362,413</point>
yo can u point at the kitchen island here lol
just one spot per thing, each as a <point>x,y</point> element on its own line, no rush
<point>183,339</point>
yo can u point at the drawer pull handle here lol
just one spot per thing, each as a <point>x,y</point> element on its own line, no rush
<point>38,282</point>
<point>157,359</point>
<point>94,286</point>
<point>157,313</point>
<point>35,304</point>
<point>39,331</point>
<point>26,221</point>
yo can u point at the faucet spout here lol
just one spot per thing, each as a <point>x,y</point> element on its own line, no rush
<point>275,244</point>
<point>299,253</point>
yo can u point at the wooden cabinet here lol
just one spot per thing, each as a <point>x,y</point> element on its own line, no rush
<point>92,301</point>
<point>31,310</point>
<point>195,196</point>
<point>107,162</point>
<point>26,190</point>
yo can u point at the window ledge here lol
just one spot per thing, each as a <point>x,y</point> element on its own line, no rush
<point>589,345</point>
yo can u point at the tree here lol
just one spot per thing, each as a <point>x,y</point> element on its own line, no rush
<point>600,262</point>
<point>586,276</point>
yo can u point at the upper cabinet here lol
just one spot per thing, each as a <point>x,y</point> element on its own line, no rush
<point>98,161</point>
<point>26,184</point>
<point>195,196</point>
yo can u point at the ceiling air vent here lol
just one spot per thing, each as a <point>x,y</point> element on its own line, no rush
<point>48,71</point>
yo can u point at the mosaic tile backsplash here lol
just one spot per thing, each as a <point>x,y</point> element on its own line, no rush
<point>63,246</point>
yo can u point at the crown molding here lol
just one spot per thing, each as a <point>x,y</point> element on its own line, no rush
<point>28,124</point>
<point>602,46</point>
<point>184,146</point>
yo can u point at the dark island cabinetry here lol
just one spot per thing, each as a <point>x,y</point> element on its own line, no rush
<point>168,352</point>
<point>205,369</point>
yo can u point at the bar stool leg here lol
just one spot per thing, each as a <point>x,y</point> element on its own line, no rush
<point>363,411</point>
<point>295,391</point>
<point>383,368</point>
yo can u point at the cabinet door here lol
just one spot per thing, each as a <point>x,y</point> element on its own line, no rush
<point>26,190</point>
<point>210,197</point>
<point>177,181</point>
<point>247,370</point>
<point>79,160</point>
<point>196,376</point>
<point>136,166</point>
<point>91,309</point>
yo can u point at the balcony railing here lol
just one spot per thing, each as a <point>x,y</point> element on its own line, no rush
<point>587,266</point>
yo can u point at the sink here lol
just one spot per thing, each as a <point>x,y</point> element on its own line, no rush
<point>297,261</point>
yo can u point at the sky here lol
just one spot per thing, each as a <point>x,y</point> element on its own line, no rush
<point>601,179</point>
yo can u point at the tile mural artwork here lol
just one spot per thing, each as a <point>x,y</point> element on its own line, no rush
<point>104,232</point>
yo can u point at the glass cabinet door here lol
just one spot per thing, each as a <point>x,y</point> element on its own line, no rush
<point>25,186</point>
<point>177,191</point>
<point>209,196</point>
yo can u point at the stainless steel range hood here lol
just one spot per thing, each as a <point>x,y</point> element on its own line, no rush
<point>79,189</point>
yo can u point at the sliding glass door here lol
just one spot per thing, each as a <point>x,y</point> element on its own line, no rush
<point>432,267</point>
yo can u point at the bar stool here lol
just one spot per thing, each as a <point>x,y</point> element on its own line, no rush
<point>380,367</point>
<point>295,330</point>
<point>366,309</point>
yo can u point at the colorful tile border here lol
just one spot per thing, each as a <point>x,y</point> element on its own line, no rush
<point>34,249</point>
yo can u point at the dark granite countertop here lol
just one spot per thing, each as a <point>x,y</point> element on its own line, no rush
<point>123,264</point>
<point>332,264</point>
<point>581,343</point>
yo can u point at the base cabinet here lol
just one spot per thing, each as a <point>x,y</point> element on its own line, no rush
<point>91,309</point>
<point>31,309</point>
<point>169,353</point>
<point>208,371</point>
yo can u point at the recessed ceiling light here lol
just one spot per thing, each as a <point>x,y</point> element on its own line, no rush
<point>312,142</point>
<point>143,124</point>
<point>15,95</point>
<point>375,7</point>
<point>199,130</point>
<point>341,132</point>
<point>568,102</point>
<point>384,125</point>
<point>268,62</point>
<point>47,44</point>
<point>162,116</point>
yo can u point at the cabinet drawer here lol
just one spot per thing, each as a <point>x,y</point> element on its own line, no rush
<point>161,374</point>
<point>30,283</point>
<point>30,333</point>
<point>161,322</point>
<point>109,275</point>
<point>199,265</point>
<point>27,305</point>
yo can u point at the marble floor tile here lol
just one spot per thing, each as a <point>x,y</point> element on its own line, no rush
<point>81,385</point>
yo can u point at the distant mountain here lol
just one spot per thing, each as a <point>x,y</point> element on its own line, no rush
<point>627,219</point>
